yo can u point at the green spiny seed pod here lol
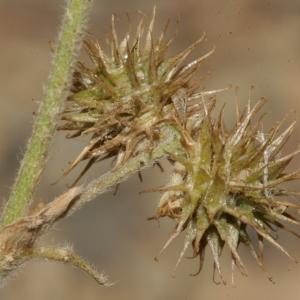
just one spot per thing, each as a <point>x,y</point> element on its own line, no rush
<point>123,99</point>
<point>227,183</point>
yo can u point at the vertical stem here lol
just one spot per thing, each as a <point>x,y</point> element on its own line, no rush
<point>33,163</point>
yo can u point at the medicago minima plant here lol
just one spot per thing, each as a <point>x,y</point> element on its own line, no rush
<point>139,105</point>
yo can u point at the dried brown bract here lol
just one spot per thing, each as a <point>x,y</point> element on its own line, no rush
<point>18,241</point>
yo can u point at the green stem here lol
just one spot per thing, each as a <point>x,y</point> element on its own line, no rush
<point>170,144</point>
<point>66,255</point>
<point>43,130</point>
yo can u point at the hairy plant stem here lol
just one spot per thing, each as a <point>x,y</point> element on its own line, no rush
<point>170,144</point>
<point>18,240</point>
<point>44,127</point>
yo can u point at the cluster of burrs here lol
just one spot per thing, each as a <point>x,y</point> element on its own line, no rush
<point>227,183</point>
<point>123,99</point>
<point>223,182</point>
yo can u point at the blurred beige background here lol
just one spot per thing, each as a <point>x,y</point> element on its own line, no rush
<point>257,43</point>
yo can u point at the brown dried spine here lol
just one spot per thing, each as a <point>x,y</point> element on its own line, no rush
<point>227,183</point>
<point>123,99</point>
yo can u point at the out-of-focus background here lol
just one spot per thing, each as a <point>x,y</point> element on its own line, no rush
<point>257,43</point>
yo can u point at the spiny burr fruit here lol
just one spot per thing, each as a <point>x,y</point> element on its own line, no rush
<point>123,99</point>
<point>227,183</point>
